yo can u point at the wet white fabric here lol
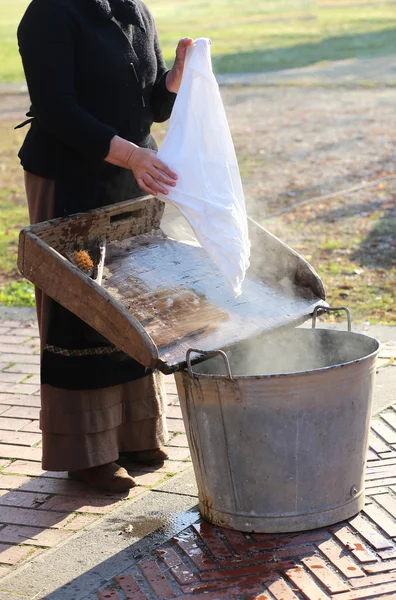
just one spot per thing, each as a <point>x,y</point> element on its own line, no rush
<point>198,147</point>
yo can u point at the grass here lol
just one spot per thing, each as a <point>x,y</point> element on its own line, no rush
<point>357,263</point>
<point>258,36</point>
<point>14,291</point>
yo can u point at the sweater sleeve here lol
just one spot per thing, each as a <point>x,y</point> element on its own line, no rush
<point>162,100</point>
<point>46,38</point>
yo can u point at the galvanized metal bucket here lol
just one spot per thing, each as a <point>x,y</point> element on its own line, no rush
<point>278,428</point>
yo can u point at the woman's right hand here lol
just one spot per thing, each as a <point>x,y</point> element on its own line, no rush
<point>150,172</point>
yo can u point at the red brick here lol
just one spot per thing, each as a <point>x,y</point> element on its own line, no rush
<point>17,357</point>
<point>33,427</point>
<point>25,400</point>
<point>234,538</point>
<point>169,466</point>
<point>24,368</point>
<point>240,582</point>
<point>335,555</point>
<point>19,438</point>
<point>381,567</point>
<point>369,533</point>
<point>65,487</point>
<point>174,412</point>
<point>380,482</point>
<point>19,388</point>
<point>380,473</point>
<point>188,543</point>
<point>265,568</point>
<point>19,350</point>
<point>347,538</point>
<point>28,332</point>
<point>11,555</point>
<point>78,522</point>
<point>276,555</point>
<point>21,499</point>
<point>35,518</point>
<point>280,590</point>
<point>179,441</point>
<point>372,456</point>
<point>285,542</point>
<point>23,467</point>
<point>175,425</point>
<point>109,594</point>
<point>390,418</point>
<point>387,502</point>
<point>147,479</point>
<point>375,491</point>
<point>11,424</point>
<point>381,518</point>
<point>243,589</point>
<point>11,482</point>
<point>7,340</point>
<point>304,583</point>
<point>386,432</point>
<point>130,587</point>
<point>83,505</point>
<point>382,462</point>
<point>33,536</point>
<point>377,444</point>
<point>330,580</point>
<point>374,580</point>
<point>387,554</point>
<point>8,451</point>
<point>176,566</point>
<point>33,380</point>
<point>10,377</point>
<point>386,588</point>
<point>178,453</point>
<point>156,579</point>
<point>212,540</point>
<point>23,412</point>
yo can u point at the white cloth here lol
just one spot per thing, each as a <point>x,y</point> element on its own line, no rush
<point>199,148</point>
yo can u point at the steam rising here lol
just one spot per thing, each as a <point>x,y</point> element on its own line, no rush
<point>293,351</point>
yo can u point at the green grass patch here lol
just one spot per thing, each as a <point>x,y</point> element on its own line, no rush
<point>259,36</point>
<point>17,293</point>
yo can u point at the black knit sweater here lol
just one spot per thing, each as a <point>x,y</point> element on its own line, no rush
<point>88,81</point>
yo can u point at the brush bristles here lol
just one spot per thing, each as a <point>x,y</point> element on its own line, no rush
<point>83,261</point>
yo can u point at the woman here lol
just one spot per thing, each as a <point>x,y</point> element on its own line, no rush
<point>97,81</point>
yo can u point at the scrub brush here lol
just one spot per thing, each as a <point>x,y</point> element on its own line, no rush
<point>83,261</point>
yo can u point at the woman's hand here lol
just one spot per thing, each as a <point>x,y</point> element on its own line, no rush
<point>174,77</point>
<point>150,172</point>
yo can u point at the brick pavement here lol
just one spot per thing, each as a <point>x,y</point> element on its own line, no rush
<point>352,560</point>
<point>40,509</point>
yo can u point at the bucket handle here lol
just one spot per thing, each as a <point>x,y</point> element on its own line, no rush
<point>331,309</point>
<point>207,354</point>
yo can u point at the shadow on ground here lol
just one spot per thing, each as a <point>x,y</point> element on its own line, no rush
<point>363,45</point>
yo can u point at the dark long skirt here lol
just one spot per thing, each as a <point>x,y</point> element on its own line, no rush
<point>86,428</point>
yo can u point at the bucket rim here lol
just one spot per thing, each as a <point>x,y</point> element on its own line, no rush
<point>305,372</point>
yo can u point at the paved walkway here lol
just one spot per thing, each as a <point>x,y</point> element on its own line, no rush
<point>41,510</point>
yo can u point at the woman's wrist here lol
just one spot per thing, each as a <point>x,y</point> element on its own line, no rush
<point>121,152</point>
<point>173,78</point>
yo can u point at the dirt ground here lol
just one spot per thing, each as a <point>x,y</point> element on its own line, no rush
<point>296,144</point>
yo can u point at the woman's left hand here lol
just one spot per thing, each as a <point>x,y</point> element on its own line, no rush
<point>174,77</point>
